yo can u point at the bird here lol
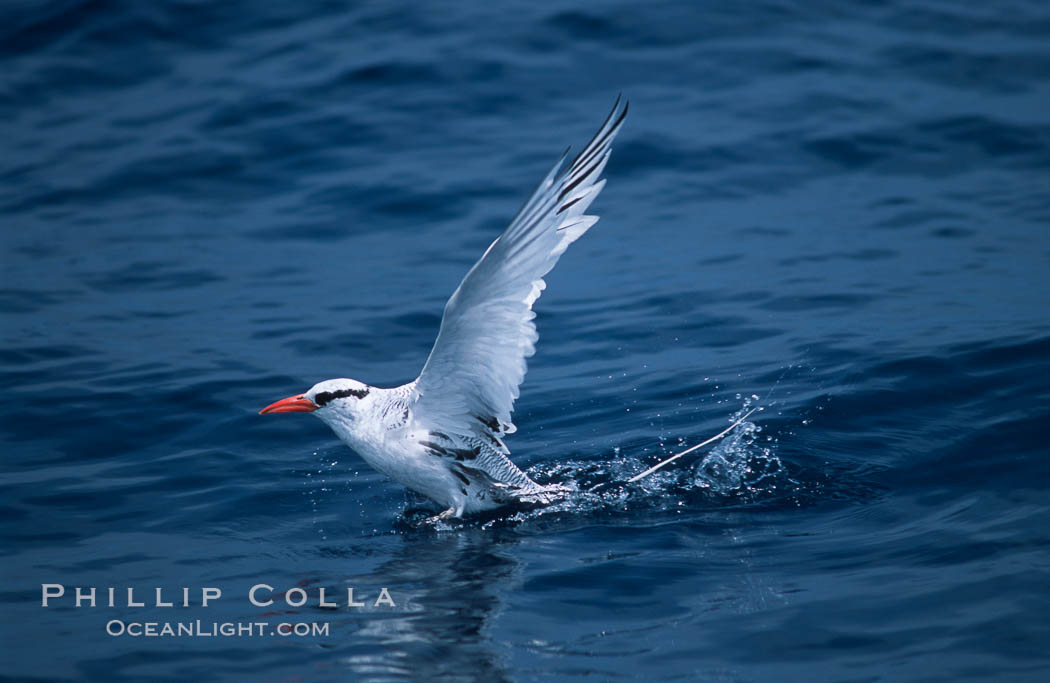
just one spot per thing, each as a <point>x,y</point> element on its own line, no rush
<point>442,435</point>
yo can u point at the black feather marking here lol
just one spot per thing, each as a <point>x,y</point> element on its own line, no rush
<point>569,225</point>
<point>490,422</point>
<point>327,396</point>
<point>458,454</point>
<point>485,478</point>
<point>536,206</point>
<point>400,415</point>
<point>597,133</point>
<point>592,148</point>
<point>440,435</point>
<point>565,207</point>
<point>572,186</point>
<point>462,477</point>
<point>462,454</point>
<point>434,449</point>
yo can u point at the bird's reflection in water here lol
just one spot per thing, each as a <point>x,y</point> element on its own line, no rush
<point>448,588</point>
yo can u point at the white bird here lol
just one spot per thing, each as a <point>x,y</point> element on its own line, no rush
<point>442,434</point>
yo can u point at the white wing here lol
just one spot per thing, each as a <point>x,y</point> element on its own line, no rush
<point>471,378</point>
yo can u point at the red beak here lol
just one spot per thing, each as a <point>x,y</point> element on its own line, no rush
<point>292,404</point>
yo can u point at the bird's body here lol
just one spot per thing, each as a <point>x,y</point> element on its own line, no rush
<point>465,473</point>
<point>442,434</point>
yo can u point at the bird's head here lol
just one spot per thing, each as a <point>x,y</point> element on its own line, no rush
<point>333,400</point>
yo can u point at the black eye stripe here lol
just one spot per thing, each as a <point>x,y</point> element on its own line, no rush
<point>326,396</point>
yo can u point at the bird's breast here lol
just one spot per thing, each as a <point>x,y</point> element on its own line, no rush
<point>401,457</point>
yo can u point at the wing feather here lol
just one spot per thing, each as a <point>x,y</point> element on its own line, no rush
<point>471,378</point>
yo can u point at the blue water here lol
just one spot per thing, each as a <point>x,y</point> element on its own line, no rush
<point>836,212</point>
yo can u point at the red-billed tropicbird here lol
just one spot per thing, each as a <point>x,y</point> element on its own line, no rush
<point>442,434</point>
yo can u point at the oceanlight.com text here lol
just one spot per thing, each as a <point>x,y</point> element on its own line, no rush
<point>214,629</point>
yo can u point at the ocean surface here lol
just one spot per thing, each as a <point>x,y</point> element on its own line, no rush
<point>836,214</point>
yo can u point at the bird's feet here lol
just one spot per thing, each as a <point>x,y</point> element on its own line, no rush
<point>447,514</point>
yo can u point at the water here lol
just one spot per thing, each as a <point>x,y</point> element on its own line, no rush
<point>837,213</point>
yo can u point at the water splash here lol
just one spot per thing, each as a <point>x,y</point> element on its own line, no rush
<point>742,467</point>
<point>740,462</point>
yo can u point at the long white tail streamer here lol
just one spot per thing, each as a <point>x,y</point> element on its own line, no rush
<point>689,450</point>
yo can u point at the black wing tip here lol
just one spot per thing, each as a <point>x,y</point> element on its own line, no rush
<point>602,136</point>
<point>595,147</point>
<point>616,115</point>
<point>623,113</point>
